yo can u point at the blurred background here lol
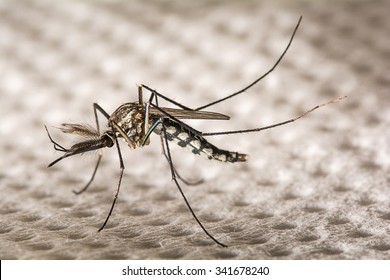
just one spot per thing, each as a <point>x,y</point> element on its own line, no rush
<point>314,189</point>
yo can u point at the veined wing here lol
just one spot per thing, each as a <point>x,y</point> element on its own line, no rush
<point>187,114</point>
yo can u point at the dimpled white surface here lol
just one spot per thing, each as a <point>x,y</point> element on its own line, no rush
<point>314,189</point>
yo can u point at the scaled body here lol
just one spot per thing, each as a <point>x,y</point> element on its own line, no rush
<point>131,117</point>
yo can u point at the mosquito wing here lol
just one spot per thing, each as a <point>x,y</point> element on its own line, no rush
<point>187,114</point>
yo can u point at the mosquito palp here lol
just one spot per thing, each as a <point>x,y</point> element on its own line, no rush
<point>136,121</point>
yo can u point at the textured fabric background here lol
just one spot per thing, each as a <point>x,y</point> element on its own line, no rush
<point>314,189</point>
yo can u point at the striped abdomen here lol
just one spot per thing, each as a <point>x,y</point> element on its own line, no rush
<point>196,143</point>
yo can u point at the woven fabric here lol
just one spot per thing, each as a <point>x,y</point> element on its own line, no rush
<point>314,189</point>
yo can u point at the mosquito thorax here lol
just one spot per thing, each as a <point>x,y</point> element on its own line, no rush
<point>130,118</point>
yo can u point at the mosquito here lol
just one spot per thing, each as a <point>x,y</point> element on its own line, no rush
<point>136,121</point>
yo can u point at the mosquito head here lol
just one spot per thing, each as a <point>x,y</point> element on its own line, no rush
<point>93,141</point>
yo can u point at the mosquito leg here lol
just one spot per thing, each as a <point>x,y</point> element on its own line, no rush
<point>187,182</point>
<point>96,108</point>
<point>173,173</point>
<point>235,93</point>
<point>101,110</point>
<point>122,168</point>
<point>93,175</point>
<point>146,132</point>
<point>155,93</point>
<point>140,95</point>
<point>258,79</point>
<point>274,125</point>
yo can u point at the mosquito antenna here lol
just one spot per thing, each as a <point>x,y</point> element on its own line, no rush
<point>259,79</point>
<point>277,124</point>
